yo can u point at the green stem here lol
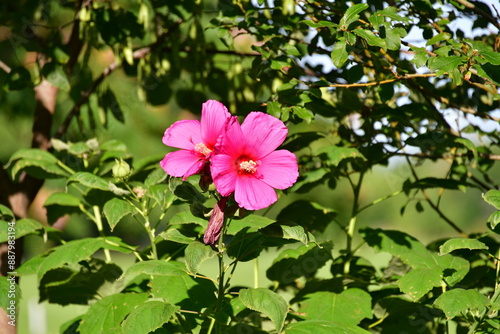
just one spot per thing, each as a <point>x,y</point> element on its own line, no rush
<point>151,235</point>
<point>493,299</point>
<point>221,285</point>
<point>380,200</point>
<point>256,273</point>
<point>100,228</point>
<point>352,222</point>
<point>65,167</point>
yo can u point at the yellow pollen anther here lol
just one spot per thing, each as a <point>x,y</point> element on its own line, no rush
<point>203,149</point>
<point>249,166</point>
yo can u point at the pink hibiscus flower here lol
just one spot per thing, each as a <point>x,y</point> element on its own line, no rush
<point>195,139</point>
<point>246,163</point>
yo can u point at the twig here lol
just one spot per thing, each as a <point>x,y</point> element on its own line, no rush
<point>436,208</point>
<point>376,83</point>
<point>479,12</point>
<point>5,67</point>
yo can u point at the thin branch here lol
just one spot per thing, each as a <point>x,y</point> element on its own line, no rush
<point>85,96</point>
<point>480,12</point>
<point>5,67</point>
<point>376,83</point>
<point>434,206</point>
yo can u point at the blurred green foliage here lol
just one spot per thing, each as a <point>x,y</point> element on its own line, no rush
<point>393,112</point>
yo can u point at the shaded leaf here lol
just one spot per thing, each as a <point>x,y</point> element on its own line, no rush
<point>457,301</point>
<point>115,209</point>
<point>196,253</point>
<point>267,302</point>
<point>322,327</point>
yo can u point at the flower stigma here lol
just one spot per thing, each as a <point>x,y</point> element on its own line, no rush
<point>202,148</point>
<point>248,166</point>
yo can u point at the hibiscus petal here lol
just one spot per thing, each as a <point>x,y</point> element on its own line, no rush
<point>213,118</point>
<point>279,169</point>
<point>263,133</point>
<point>232,141</point>
<point>253,194</point>
<point>182,163</point>
<point>224,173</point>
<point>183,134</point>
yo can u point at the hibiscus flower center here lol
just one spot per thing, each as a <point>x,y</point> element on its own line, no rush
<point>202,148</point>
<point>247,166</point>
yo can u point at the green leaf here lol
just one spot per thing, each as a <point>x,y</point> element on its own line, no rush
<point>419,281</point>
<point>55,74</point>
<point>6,286</point>
<point>351,15</point>
<point>320,24</point>
<point>432,182</point>
<point>60,204</point>
<point>491,56</point>
<point>89,180</point>
<point>492,197</point>
<point>303,113</point>
<point>457,301</point>
<point>399,244</point>
<point>186,217</point>
<point>196,253</point>
<point>445,63</point>
<point>148,317</point>
<point>189,193</point>
<point>161,194</point>
<point>106,315</point>
<point>32,157</point>
<point>392,13</point>
<point>335,154</point>
<point>494,220</point>
<point>322,327</point>
<point>22,227</point>
<point>152,268</point>
<point>115,209</point>
<point>370,37</point>
<point>438,38</point>
<point>175,235</point>
<point>252,222</point>
<point>193,293</point>
<point>63,199</point>
<point>156,176</point>
<point>454,268</point>
<point>460,243</point>
<point>6,213</point>
<point>267,302</point>
<point>291,264</point>
<point>339,52</point>
<point>75,251</point>
<point>349,307</point>
<point>290,232</point>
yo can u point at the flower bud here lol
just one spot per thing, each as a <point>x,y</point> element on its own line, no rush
<point>121,169</point>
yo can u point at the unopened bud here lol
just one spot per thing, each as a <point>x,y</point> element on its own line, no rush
<point>121,169</point>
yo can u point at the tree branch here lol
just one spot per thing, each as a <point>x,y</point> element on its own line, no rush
<point>479,12</point>
<point>376,83</point>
